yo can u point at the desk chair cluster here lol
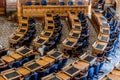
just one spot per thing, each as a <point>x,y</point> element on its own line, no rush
<point>51,34</point>
<point>36,68</point>
<point>78,36</point>
<point>16,59</point>
<point>78,70</point>
<point>108,34</point>
<point>56,2</point>
<point>24,33</point>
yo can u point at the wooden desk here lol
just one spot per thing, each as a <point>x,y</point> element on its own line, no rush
<point>75,33</point>
<point>23,71</point>
<point>14,38</point>
<point>47,33</point>
<point>11,74</point>
<point>81,65</point>
<point>24,51</point>
<point>88,58</point>
<point>22,30</point>
<point>2,78</point>
<point>105,30</point>
<point>69,43</point>
<point>51,77</point>
<point>71,70</point>
<point>41,40</point>
<point>55,54</point>
<point>103,37</point>
<point>49,59</point>
<point>32,66</point>
<point>77,26</point>
<point>43,63</point>
<point>116,72</point>
<point>8,59</point>
<point>98,47</point>
<point>1,62</point>
<point>16,56</point>
<point>112,77</point>
<point>49,26</point>
<point>63,76</point>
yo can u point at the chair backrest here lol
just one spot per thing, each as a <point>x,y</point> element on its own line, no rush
<point>43,2</point>
<point>24,60</point>
<point>60,65</point>
<point>70,3</point>
<point>62,3</point>
<point>80,3</point>
<point>16,64</point>
<point>64,61</point>
<point>34,76</point>
<point>31,57</point>
<point>28,3</point>
<point>91,72</point>
<point>53,68</point>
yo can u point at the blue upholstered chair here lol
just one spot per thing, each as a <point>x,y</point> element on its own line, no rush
<point>97,68</point>
<point>16,64</point>
<point>43,2</point>
<point>60,65</point>
<point>84,44</point>
<point>64,62</point>
<point>90,72</point>
<point>54,3</point>
<point>31,57</point>
<point>53,68</point>
<point>70,3</point>
<point>34,76</point>
<point>28,3</point>
<point>3,53</point>
<point>100,1</point>
<point>24,61</point>
<point>62,3</point>
<point>80,3</point>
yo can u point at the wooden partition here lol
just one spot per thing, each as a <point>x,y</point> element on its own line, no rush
<point>40,10</point>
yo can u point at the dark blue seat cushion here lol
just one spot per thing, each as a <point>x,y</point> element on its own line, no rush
<point>28,3</point>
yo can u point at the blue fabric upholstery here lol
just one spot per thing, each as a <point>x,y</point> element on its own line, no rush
<point>70,3</point>
<point>91,72</point>
<point>100,1</point>
<point>60,65</point>
<point>97,68</point>
<point>24,61</point>
<point>62,3</point>
<point>64,62</point>
<point>31,57</point>
<point>16,64</point>
<point>43,2</point>
<point>28,3</point>
<point>80,3</point>
<point>53,68</point>
<point>34,76</point>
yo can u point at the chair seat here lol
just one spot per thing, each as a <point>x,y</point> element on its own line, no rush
<point>80,3</point>
<point>62,3</point>
<point>28,3</point>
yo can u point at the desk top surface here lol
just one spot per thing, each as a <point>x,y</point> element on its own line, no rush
<point>63,76</point>
<point>33,66</point>
<point>23,71</point>
<point>11,75</point>
<point>8,59</point>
